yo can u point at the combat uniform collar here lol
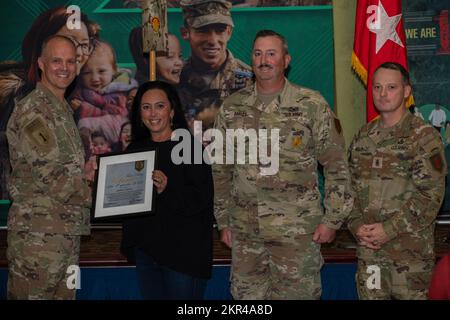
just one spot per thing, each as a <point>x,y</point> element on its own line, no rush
<point>400,129</point>
<point>275,104</point>
<point>53,99</point>
<point>226,69</point>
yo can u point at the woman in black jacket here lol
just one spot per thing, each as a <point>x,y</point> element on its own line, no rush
<point>172,246</point>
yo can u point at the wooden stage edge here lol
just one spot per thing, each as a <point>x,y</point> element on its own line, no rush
<point>102,247</point>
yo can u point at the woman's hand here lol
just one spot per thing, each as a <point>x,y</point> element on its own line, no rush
<point>159,180</point>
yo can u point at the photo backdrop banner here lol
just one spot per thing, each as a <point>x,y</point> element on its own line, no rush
<point>308,29</point>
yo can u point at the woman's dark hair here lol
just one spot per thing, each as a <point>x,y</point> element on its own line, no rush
<point>138,130</point>
<point>46,24</point>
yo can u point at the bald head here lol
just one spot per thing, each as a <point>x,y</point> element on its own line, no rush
<point>58,64</point>
<point>56,40</point>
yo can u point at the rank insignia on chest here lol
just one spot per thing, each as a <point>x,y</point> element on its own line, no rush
<point>296,141</point>
<point>139,165</point>
<point>377,163</point>
<point>436,162</point>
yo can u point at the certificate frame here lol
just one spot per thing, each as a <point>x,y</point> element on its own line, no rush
<point>124,185</point>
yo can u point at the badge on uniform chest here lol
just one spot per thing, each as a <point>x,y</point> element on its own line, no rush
<point>296,138</point>
<point>377,163</point>
<point>296,141</point>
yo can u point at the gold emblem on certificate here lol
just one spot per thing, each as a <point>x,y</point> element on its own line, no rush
<point>139,165</point>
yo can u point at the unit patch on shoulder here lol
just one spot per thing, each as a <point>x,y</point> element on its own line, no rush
<point>436,161</point>
<point>39,134</point>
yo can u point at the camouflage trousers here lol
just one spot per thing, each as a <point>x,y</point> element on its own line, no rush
<point>286,270</point>
<point>402,280</point>
<point>38,265</point>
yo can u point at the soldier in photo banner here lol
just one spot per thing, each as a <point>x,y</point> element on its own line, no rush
<point>211,73</point>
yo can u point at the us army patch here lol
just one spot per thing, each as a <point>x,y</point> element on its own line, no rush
<point>337,125</point>
<point>436,161</point>
<point>39,134</point>
<point>139,165</point>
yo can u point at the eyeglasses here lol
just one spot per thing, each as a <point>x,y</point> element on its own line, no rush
<point>86,48</point>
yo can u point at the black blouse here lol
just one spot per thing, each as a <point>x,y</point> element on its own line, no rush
<point>178,235</point>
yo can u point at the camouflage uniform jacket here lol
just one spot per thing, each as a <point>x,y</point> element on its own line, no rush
<point>398,176</point>
<point>287,203</point>
<point>201,100</point>
<point>47,187</point>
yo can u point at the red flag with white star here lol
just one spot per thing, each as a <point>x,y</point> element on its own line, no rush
<point>379,37</point>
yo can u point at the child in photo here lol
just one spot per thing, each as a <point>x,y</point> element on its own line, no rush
<point>101,99</point>
<point>124,137</point>
<point>99,144</point>
<point>168,67</point>
<point>130,99</point>
<point>103,88</point>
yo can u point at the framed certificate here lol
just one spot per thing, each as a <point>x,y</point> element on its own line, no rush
<point>124,184</point>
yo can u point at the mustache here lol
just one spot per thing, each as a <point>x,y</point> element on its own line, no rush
<point>265,65</point>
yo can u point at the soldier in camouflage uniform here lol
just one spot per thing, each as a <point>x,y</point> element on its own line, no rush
<point>398,171</point>
<point>275,223</point>
<point>211,73</point>
<point>51,199</point>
